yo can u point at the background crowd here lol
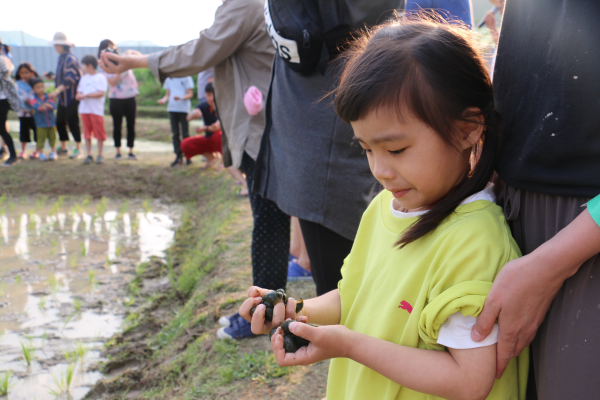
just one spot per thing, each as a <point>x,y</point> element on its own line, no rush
<point>298,159</point>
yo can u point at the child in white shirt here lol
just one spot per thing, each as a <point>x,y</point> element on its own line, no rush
<point>91,95</point>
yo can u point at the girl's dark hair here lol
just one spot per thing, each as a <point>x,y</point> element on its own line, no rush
<point>35,81</point>
<point>28,67</point>
<point>431,70</point>
<point>90,60</point>
<point>105,44</point>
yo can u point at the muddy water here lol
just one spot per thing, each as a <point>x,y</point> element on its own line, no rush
<point>64,271</point>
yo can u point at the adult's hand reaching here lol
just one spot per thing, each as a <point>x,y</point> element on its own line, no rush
<point>520,297</point>
<point>126,62</point>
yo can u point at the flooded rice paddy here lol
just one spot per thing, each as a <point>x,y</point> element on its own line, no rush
<point>64,271</point>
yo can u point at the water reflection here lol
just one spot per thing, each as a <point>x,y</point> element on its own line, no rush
<point>50,260</point>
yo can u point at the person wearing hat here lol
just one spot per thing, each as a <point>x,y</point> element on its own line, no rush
<point>68,74</point>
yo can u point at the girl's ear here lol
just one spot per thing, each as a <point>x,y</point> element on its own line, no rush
<point>471,127</point>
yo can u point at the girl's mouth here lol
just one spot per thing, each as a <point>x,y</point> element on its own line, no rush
<point>400,193</point>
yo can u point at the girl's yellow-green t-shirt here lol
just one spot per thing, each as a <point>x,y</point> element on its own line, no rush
<point>404,296</point>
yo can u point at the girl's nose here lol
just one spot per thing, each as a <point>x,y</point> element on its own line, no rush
<point>381,170</point>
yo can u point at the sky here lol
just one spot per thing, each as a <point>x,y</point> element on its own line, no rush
<point>118,20</point>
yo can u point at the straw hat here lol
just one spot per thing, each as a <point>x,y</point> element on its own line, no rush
<point>61,38</point>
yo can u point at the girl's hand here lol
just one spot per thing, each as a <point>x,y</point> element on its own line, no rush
<point>200,129</point>
<point>328,341</point>
<point>176,98</point>
<point>259,324</point>
<point>162,101</point>
<point>53,94</point>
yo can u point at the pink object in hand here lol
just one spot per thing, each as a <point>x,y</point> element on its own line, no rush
<point>253,100</point>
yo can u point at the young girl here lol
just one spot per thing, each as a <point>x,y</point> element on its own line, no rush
<point>24,73</point>
<point>428,247</point>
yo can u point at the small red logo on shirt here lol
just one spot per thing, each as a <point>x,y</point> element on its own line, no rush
<point>405,306</point>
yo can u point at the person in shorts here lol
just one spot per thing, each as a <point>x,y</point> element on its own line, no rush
<point>91,95</point>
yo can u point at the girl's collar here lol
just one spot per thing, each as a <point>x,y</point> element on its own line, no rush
<point>485,194</point>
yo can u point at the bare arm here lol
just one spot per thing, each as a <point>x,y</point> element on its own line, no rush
<point>164,99</point>
<point>113,80</point>
<point>457,374</point>
<point>524,289</point>
<point>189,93</point>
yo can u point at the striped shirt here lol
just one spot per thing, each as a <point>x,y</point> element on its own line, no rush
<point>68,73</point>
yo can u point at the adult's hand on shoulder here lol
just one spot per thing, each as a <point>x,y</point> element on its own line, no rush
<point>520,297</point>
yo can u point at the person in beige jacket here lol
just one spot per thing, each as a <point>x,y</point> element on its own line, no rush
<point>239,49</point>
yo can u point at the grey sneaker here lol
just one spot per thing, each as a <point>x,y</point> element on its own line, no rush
<point>62,152</point>
<point>132,157</point>
<point>118,157</point>
<point>88,160</point>
<point>99,160</point>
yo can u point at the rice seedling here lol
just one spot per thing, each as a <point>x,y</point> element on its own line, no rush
<point>42,303</point>
<point>63,383</point>
<point>28,352</point>
<point>73,261</point>
<point>11,206</point>
<point>146,206</point>
<point>101,207</point>
<point>3,198</point>
<point>92,278</point>
<point>83,250</point>
<point>52,251</point>
<point>41,265</point>
<point>81,350</point>
<point>77,304</point>
<point>54,286</point>
<point>5,383</point>
<point>128,302</point>
<point>86,201</point>
<point>124,207</point>
<point>18,279</point>
<point>118,251</point>
<point>40,202</point>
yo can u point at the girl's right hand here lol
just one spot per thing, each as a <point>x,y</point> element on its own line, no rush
<point>259,324</point>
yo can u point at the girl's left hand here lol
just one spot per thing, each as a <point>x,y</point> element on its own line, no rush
<point>328,341</point>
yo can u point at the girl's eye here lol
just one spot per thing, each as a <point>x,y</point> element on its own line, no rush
<point>395,152</point>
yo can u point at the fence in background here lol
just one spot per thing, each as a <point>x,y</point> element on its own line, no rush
<point>45,59</point>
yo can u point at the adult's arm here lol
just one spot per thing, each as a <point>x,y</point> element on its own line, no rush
<point>224,38</point>
<point>524,289</point>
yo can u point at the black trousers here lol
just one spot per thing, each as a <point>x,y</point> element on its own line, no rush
<point>178,119</point>
<point>27,124</point>
<point>4,108</point>
<point>120,108</point>
<point>68,116</point>
<point>326,251</point>
<point>270,237</point>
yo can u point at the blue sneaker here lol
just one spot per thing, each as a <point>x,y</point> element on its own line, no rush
<point>239,329</point>
<point>228,321</point>
<point>291,257</point>
<point>52,156</point>
<point>297,273</point>
<point>42,157</point>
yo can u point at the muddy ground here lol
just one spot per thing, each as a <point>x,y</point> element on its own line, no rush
<point>168,346</point>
